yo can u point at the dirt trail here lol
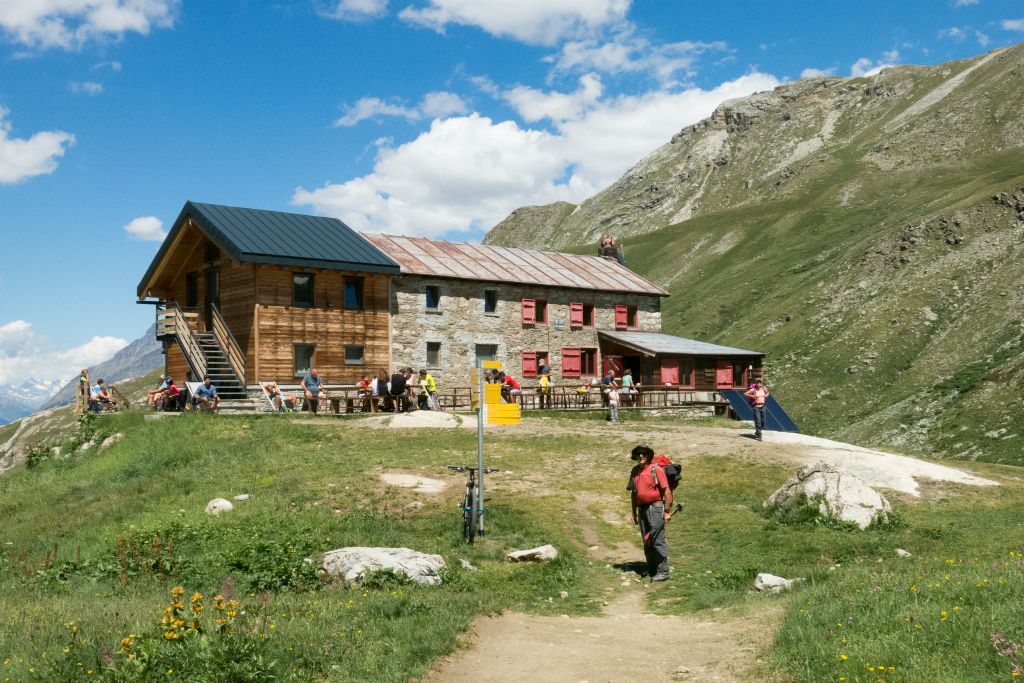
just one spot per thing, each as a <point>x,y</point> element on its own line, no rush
<point>520,647</point>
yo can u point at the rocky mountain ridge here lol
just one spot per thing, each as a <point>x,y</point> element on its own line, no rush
<point>140,357</point>
<point>18,400</point>
<point>866,232</point>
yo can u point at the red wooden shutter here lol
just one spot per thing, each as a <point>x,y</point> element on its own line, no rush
<point>571,363</point>
<point>576,315</point>
<point>529,363</point>
<point>669,371</point>
<point>529,311</point>
<point>621,317</point>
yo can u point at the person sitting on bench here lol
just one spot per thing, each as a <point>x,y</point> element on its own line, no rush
<point>101,399</point>
<point>311,389</point>
<point>171,398</point>
<point>206,397</point>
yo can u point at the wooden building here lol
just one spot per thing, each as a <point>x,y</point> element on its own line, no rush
<point>246,295</point>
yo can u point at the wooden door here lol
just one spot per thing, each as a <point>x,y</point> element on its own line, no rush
<point>670,371</point>
<point>612,364</point>
<point>212,296</point>
<point>723,375</point>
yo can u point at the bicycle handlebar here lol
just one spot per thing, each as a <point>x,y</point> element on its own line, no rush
<point>463,468</point>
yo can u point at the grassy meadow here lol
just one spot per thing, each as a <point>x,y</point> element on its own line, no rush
<point>93,546</point>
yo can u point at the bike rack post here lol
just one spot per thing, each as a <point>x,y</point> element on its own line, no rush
<point>481,418</point>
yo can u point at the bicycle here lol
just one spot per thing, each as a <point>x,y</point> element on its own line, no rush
<point>470,507</point>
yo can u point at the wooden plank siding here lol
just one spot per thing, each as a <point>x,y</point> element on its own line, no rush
<point>327,324</point>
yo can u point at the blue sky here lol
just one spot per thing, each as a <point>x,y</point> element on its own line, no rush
<point>430,117</point>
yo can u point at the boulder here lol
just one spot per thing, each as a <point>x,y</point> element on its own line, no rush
<point>903,553</point>
<point>538,554</point>
<point>352,564</point>
<point>219,505</point>
<point>837,494</point>
<point>242,496</point>
<point>772,583</point>
<point>110,441</point>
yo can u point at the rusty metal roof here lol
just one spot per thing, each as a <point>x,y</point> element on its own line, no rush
<point>464,261</point>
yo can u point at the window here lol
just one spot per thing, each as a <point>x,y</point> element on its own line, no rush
<point>631,317</point>
<point>529,311</point>
<point>210,252</point>
<point>433,354</point>
<point>433,297</point>
<point>588,315</point>
<point>532,361</point>
<point>542,312</point>
<point>588,362</point>
<point>685,372</point>
<point>354,293</point>
<point>490,301</point>
<point>354,355</point>
<point>486,352</point>
<point>191,290</point>
<point>302,289</point>
<point>571,362</point>
<point>739,374</point>
<point>303,358</point>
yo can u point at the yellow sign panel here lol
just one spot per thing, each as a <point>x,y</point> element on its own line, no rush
<point>491,364</point>
<point>503,414</point>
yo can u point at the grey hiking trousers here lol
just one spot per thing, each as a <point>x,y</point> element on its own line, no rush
<point>652,530</point>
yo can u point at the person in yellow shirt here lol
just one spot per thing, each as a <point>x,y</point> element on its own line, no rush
<point>429,387</point>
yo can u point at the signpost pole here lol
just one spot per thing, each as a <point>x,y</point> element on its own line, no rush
<point>480,420</point>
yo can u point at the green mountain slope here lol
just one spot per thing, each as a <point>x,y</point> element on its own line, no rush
<point>866,233</point>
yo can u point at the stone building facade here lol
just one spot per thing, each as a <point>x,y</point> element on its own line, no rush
<point>448,328</point>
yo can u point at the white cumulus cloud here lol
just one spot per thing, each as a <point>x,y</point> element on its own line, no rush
<point>434,104</point>
<point>1013,24</point>
<point>539,22</point>
<point>89,88</point>
<point>626,52</point>
<point>146,228</point>
<point>865,68</point>
<point>356,10</point>
<point>22,158</point>
<point>69,24</point>
<point>469,172</point>
<point>25,354</point>
<point>811,72</point>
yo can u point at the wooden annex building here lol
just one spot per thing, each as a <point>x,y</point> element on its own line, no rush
<point>248,295</point>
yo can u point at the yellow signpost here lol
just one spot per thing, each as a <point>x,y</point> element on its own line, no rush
<point>492,410</point>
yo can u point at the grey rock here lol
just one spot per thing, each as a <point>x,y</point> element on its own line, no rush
<point>538,554</point>
<point>773,584</point>
<point>219,505</point>
<point>838,494</point>
<point>352,564</point>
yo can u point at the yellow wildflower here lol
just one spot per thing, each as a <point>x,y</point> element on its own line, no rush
<point>177,591</point>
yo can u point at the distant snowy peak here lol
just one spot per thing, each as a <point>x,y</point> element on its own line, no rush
<point>32,392</point>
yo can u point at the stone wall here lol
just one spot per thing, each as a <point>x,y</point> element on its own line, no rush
<point>459,324</point>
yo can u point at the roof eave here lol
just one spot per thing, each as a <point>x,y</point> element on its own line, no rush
<point>318,264</point>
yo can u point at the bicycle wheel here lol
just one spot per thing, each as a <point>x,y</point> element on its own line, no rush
<point>469,515</point>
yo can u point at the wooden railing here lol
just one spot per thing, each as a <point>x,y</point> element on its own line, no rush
<point>171,321</point>
<point>345,398</point>
<point>228,344</point>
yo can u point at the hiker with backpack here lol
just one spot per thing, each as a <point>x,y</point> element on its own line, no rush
<point>651,485</point>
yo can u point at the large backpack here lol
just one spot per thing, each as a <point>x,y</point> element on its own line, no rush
<point>673,472</point>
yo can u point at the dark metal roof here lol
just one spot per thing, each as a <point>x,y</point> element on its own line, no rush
<point>659,344</point>
<point>276,237</point>
<point>464,261</point>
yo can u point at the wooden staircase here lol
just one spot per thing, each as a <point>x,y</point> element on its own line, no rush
<point>215,353</point>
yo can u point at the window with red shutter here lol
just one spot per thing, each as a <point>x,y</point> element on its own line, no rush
<point>570,362</point>
<point>576,315</point>
<point>529,312</point>
<point>529,363</point>
<point>621,317</point>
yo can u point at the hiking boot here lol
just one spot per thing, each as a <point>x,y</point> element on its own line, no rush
<point>660,576</point>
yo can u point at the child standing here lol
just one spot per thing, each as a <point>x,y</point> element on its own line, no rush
<point>613,404</point>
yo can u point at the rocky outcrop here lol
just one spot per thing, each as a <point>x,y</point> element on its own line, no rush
<point>835,494</point>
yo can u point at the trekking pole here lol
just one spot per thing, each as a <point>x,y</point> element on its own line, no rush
<point>677,508</point>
